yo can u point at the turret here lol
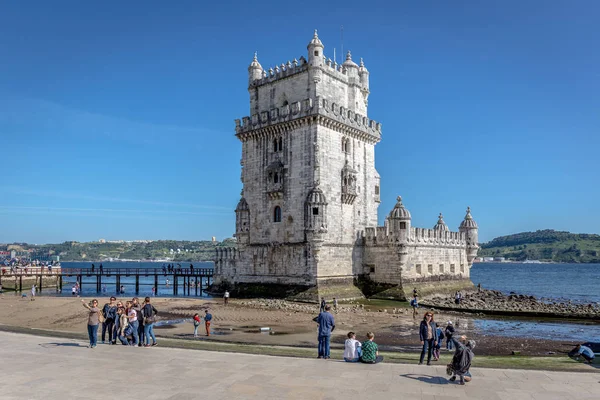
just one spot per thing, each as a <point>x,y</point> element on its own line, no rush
<point>441,225</point>
<point>363,75</point>
<point>399,219</point>
<point>315,212</point>
<point>242,222</point>
<point>315,51</point>
<point>351,68</point>
<point>255,70</point>
<point>469,227</point>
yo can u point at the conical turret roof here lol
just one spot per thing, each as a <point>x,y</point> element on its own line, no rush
<point>468,222</point>
<point>441,225</point>
<point>315,41</point>
<point>399,211</point>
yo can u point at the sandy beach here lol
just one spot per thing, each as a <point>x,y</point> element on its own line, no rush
<point>291,323</point>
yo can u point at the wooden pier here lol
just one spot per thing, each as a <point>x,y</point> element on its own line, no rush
<point>180,278</point>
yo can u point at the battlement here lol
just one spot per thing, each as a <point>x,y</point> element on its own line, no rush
<point>416,236</point>
<point>336,117</point>
<point>281,72</point>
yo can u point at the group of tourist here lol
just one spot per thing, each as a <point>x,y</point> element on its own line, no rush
<point>431,336</point>
<point>131,323</point>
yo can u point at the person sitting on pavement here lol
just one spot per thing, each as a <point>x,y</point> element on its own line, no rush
<point>370,351</point>
<point>461,361</point>
<point>352,348</point>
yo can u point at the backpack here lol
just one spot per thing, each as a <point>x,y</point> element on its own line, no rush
<point>101,318</point>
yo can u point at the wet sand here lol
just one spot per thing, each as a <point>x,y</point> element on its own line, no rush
<point>291,323</point>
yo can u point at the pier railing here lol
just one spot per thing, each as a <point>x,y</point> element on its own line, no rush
<point>6,270</point>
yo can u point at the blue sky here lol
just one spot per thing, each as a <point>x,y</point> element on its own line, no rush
<point>116,118</point>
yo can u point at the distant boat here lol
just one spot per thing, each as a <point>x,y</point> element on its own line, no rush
<point>532,262</point>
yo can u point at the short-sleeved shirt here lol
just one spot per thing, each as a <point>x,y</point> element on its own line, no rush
<point>93,316</point>
<point>369,351</point>
<point>133,314</point>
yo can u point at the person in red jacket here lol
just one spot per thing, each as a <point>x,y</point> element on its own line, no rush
<point>196,324</point>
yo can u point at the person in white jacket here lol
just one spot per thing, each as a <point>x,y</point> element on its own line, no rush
<point>352,348</point>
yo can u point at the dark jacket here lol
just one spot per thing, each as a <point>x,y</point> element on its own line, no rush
<point>463,356</point>
<point>449,332</point>
<point>149,311</point>
<point>423,331</point>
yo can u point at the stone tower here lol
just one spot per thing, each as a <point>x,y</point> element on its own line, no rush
<point>308,171</point>
<point>306,221</point>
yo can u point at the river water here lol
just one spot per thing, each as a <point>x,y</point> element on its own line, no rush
<point>575,282</point>
<point>164,289</point>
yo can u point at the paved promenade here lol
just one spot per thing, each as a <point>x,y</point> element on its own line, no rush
<point>51,368</point>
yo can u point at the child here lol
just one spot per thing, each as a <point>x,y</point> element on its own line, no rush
<point>196,324</point>
<point>461,362</point>
<point>352,348</point>
<point>436,348</point>
<point>370,353</point>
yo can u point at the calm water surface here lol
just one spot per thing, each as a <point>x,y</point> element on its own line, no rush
<point>575,282</point>
<point>146,282</point>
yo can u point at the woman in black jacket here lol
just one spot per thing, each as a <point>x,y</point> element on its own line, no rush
<point>428,336</point>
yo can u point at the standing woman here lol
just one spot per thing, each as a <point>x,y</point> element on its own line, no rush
<point>428,336</point>
<point>149,313</point>
<point>93,322</point>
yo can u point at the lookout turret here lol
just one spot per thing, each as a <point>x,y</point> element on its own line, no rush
<point>469,227</point>
<point>441,225</point>
<point>255,70</point>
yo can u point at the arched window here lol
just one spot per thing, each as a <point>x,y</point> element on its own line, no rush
<point>280,144</point>
<point>277,214</point>
<point>276,178</point>
<point>274,144</point>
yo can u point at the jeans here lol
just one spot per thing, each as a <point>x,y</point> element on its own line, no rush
<point>449,344</point>
<point>427,347</point>
<point>123,339</point>
<point>93,334</point>
<point>149,333</point>
<point>135,325</point>
<point>196,329</point>
<point>378,359</point>
<point>324,346</point>
<point>141,331</point>
<point>109,325</point>
<point>351,359</point>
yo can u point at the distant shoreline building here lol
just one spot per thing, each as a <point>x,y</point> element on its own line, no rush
<point>307,219</point>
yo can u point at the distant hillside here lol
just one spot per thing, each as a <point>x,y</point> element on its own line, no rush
<point>545,245</point>
<point>175,250</point>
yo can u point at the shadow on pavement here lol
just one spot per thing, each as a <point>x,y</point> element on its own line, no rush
<point>434,380</point>
<point>66,344</point>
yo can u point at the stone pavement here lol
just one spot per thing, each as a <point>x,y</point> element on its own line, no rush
<point>36,367</point>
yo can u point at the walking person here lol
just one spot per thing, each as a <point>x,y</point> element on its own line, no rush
<point>207,319</point>
<point>149,313</point>
<point>326,327</point>
<point>427,335</point>
<point>33,289</point>
<point>335,304</point>
<point>226,297</point>
<point>93,321</point>
<point>196,320</point>
<point>110,314</point>
<point>323,304</point>
<point>448,332</point>
<point>414,303</point>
